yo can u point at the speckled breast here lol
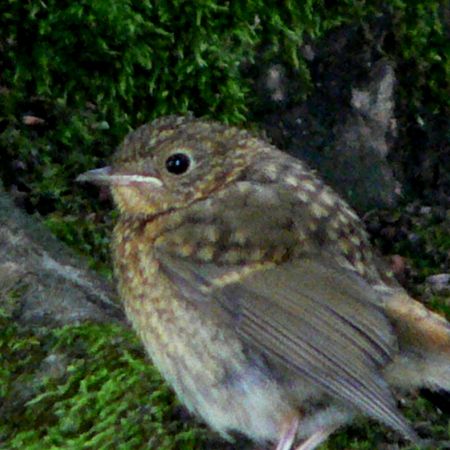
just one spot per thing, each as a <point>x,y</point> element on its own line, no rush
<point>199,356</point>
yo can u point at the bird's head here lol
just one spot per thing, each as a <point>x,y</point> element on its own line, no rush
<point>173,162</point>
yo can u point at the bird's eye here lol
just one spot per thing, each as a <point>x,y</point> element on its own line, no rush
<point>178,163</point>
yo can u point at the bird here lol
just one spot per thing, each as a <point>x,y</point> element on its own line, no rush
<point>255,290</point>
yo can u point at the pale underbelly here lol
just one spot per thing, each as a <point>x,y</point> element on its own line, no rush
<point>210,373</point>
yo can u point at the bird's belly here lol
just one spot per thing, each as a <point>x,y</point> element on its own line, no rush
<point>205,363</point>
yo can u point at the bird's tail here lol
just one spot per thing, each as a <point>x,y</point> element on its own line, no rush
<point>424,340</point>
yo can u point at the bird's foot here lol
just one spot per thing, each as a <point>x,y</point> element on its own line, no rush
<point>315,439</point>
<point>289,431</point>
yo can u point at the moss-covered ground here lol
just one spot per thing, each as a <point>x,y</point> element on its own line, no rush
<point>85,387</point>
<point>74,78</point>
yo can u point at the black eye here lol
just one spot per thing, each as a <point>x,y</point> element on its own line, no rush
<point>178,163</point>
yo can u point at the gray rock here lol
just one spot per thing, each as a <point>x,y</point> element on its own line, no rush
<point>41,281</point>
<point>439,283</point>
<point>345,136</point>
<point>346,128</point>
<point>425,210</point>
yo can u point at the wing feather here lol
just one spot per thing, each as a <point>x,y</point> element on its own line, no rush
<point>310,317</point>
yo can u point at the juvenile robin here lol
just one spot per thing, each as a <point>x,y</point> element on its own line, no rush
<point>255,291</point>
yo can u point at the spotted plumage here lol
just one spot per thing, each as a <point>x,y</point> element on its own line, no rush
<point>255,290</point>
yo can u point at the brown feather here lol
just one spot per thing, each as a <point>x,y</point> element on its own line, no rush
<point>310,318</point>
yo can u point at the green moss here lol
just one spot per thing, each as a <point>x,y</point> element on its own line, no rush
<point>429,250</point>
<point>105,395</point>
<point>424,48</point>
<point>89,237</point>
<point>440,303</point>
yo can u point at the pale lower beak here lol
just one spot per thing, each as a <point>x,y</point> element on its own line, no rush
<point>98,176</point>
<point>106,175</point>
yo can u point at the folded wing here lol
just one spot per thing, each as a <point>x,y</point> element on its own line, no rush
<point>311,317</point>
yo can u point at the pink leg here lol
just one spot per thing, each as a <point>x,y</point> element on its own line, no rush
<point>289,431</point>
<point>316,439</point>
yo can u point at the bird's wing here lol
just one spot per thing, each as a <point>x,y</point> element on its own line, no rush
<point>311,317</point>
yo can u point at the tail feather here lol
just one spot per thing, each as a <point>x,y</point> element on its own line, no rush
<point>424,340</point>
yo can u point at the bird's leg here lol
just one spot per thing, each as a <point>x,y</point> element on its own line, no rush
<point>319,436</point>
<point>288,433</point>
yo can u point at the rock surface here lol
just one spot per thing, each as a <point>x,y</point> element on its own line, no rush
<point>42,281</point>
<point>346,127</point>
<point>349,149</point>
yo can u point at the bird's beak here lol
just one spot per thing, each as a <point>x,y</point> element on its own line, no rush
<point>108,176</point>
<point>96,176</point>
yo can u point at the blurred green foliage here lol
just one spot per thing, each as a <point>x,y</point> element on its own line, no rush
<point>430,249</point>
